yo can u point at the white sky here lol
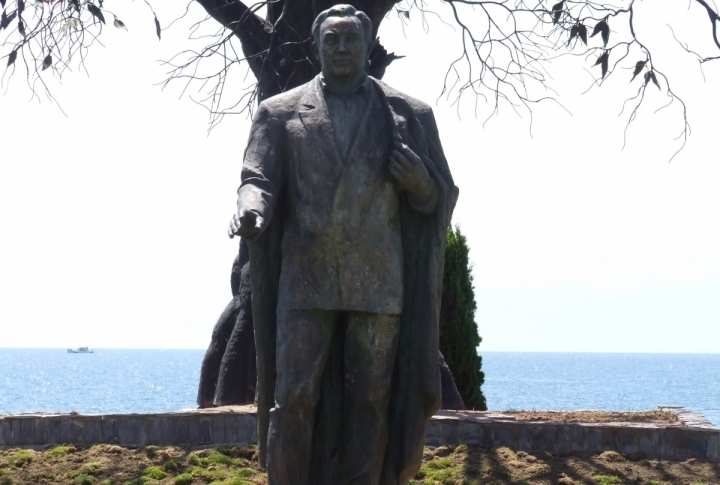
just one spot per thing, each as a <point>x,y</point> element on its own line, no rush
<point>113,219</point>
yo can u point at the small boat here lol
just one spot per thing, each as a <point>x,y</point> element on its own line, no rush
<point>80,350</point>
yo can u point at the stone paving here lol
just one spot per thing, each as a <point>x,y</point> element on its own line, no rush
<point>236,425</point>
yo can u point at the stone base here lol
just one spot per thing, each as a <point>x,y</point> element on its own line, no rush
<point>236,425</point>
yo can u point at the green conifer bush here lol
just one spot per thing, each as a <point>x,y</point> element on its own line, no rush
<point>459,336</point>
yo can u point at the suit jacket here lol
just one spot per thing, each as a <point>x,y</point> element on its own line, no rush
<point>341,247</point>
<point>416,388</point>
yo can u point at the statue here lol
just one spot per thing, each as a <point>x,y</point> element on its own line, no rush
<point>345,200</point>
<point>228,372</point>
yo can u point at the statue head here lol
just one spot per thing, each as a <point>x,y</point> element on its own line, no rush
<point>342,39</point>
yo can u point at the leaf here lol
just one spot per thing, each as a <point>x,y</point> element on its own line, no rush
<point>406,13</point>
<point>582,33</point>
<point>5,19</point>
<point>573,34</point>
<point>603,29</point>
<point>75,4</point>
<point>100,2</point>
<point>119,24</point>
<point>47,62</point>
<point>96,12</point>
<point>158,30</point>
<point>603,61</point>
<point>557,11</point>
<point>650,76</point>
<point>11,58</point>
<point>2,3</point>
<point>20,7</point>
<point>21,27</point>
<point>638,68</point>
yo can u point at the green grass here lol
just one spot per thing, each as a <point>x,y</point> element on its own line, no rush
<point>170,466</point>
<point>155,472</point>
<point>245,473</point>
<point>211,475</point>
<point>59,451</point>
<point>607,479</point>
<point>20,458</point>
<point>232,481</point>
<point>87,470</point>
<point>212,459</point>
<point>439,464</point>
<point>219,459</point>
<point>83,479</point>
<point>439,472</point>
<point>183,479</point>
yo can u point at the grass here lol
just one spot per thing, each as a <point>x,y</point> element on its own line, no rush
<point>20,458</point>
<point>443,471</point>
<point>183,479</point>
<point>445,465</point>
<point>155,473</point>
<point>607,479</point>
<point>83,479</point>
<point>60,451</point>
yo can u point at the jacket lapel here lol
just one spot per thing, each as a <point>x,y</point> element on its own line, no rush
<point>314,116</point>
<point>369,130</point>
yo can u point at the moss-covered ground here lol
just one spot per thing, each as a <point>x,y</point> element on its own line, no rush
<point>462,465</point>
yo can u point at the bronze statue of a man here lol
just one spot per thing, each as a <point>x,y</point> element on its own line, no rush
<point>345,200</point>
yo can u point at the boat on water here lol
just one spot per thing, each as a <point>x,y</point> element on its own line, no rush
<point>80,350</point>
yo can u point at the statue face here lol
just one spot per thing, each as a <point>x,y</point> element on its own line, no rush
<point>343,47</point>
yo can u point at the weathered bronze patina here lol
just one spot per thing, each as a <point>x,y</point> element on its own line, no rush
<point>345,199</point>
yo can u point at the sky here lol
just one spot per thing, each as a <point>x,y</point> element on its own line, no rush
<point>113,218</point>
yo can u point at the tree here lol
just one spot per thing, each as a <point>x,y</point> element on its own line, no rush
<point>507,44</point>
<point>459,336</point>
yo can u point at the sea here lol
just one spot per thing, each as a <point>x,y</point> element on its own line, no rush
<point>149,381</point>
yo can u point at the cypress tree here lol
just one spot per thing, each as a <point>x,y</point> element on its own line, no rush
<point>459,336</point>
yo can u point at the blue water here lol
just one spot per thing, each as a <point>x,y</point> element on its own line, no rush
<point>619,382</point>
<point>107,381</point>
<point>140,381</point>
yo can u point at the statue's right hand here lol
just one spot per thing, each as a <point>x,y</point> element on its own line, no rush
<point>246,224</point>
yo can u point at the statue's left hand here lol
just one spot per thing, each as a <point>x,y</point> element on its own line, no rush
<point>410,172</point>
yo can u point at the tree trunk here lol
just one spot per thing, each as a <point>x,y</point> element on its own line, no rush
<point>279,47</point>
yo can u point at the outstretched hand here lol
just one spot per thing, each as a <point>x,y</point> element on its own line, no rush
<point>246,224</point>
<point>409,170</point>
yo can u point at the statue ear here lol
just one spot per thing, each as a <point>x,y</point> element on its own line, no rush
<point>314,49</point>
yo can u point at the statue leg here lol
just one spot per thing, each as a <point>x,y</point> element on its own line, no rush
<point>303,344</point>
<point>370,352</point>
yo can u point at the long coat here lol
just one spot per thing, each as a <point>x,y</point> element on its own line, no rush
<point>416,388</point>
<point>341,247</point>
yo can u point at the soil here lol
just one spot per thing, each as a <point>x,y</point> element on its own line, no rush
<point>461,465</point>
<point>664,418</point>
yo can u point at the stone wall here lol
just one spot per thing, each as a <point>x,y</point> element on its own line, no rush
<point>697,438</point>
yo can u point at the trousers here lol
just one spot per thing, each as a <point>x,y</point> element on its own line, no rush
<point>368,345</point>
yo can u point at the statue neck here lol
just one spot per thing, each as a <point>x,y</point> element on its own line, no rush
<point>344,85</point>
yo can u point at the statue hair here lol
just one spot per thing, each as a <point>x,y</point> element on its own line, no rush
<point>344,11</point>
